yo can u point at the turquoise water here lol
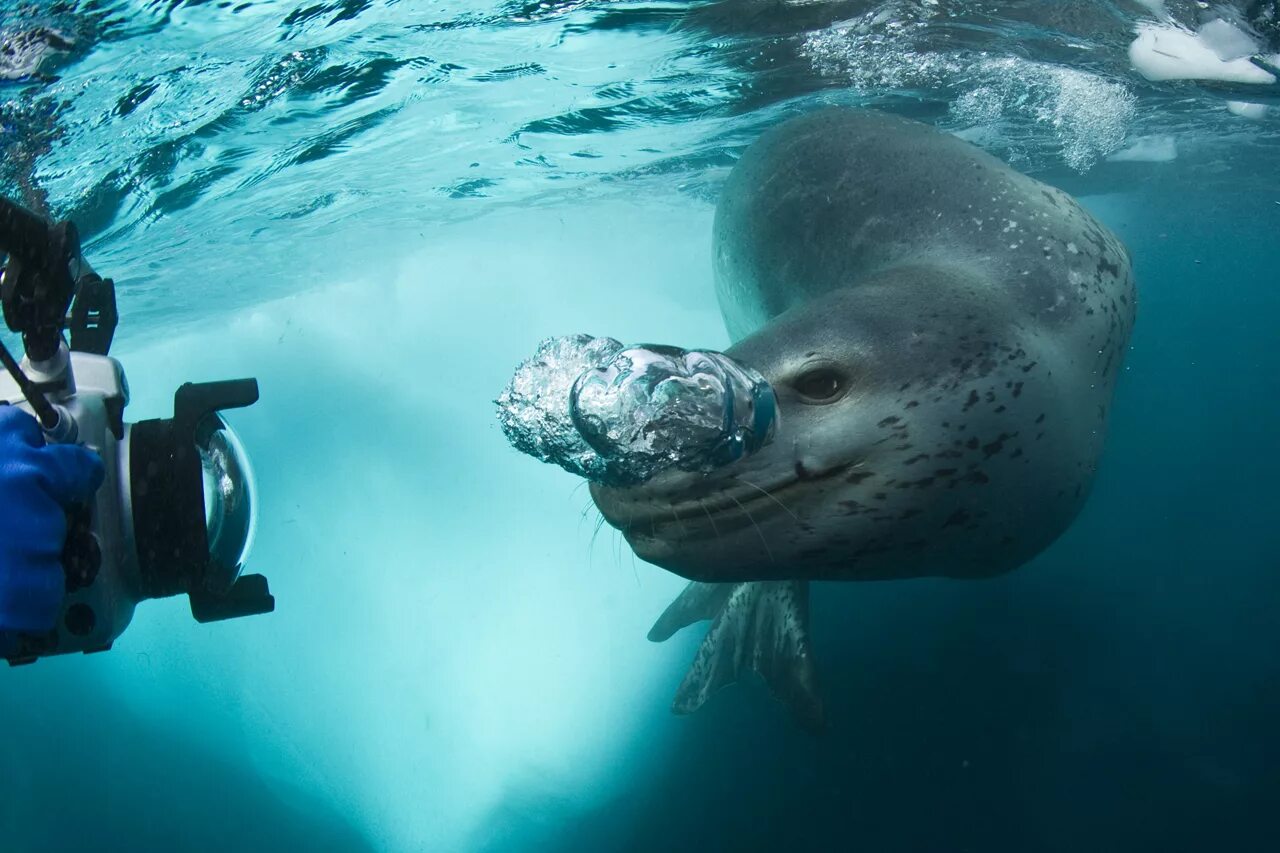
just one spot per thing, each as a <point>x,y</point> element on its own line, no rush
<point>378,209</point>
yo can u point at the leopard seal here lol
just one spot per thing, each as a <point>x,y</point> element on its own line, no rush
<point>943,335</point>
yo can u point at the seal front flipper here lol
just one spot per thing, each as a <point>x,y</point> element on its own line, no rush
<point>760,627</point>
<point>698,602</point>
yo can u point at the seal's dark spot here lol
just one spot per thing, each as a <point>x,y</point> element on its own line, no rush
<point>996,446</point>
<point>858,476</point>
<point>889,421</point>
<point>960,516</point>
<point>851,507</point>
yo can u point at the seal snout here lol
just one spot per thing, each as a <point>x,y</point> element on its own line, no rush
<point>811,472</point>
<point>685,506</point>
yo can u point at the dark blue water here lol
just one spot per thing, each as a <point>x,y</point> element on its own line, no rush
<point>456,663</point>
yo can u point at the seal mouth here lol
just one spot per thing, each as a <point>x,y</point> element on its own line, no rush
<point>724,506</point>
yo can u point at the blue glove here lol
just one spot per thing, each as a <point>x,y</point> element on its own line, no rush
<point>38,484</point>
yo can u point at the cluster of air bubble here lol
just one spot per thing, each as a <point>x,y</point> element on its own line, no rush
<point>620,415</point>
<point>874,53</point>
<point>1087,115</point>
<point>534,407</point>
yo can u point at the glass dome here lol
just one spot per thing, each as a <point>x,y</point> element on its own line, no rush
<point>230,499</point>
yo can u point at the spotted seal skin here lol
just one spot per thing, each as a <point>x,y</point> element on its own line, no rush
<point>943,334</point>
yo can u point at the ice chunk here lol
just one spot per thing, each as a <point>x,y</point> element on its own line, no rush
<point>1148,149</point>
<point>1227,41</point>
<point>1246,109</point>
<point>619,415</point>
<point>1166,52</point>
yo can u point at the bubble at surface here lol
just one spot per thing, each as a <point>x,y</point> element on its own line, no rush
<point>1086,114</point>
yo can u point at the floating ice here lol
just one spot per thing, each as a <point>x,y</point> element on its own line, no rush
<point>1227,41</point>
<point>619,415</point>
<point>1247,109</point>
<point>1148,149</point>
<point>1167,52</point>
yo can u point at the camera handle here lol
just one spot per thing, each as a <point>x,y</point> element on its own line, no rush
<point>44,274</point>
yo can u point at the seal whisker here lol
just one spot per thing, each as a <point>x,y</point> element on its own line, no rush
<point>583,515</point>
<point>592,545</point>
<point>710,518</point>
<point>763,540</point>
<point>679,520</point>
<point>619,541</point>
<point>766,493</point>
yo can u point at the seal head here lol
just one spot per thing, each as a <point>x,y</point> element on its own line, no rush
<point>943,335</point>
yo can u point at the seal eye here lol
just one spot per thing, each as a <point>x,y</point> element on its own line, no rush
<point>822,385</point>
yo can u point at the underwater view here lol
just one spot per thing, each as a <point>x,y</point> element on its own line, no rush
<point>908,371</point>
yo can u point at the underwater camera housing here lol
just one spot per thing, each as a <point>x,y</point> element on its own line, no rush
<point>176,512</point>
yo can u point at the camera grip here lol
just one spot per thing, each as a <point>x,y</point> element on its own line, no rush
<point>81,555</point>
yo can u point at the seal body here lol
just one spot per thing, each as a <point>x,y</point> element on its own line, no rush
<point>943,334</point>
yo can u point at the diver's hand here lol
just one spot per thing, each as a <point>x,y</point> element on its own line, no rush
<point>38,484</point>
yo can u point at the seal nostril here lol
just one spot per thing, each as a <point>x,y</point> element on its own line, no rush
<point>801,472</point>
